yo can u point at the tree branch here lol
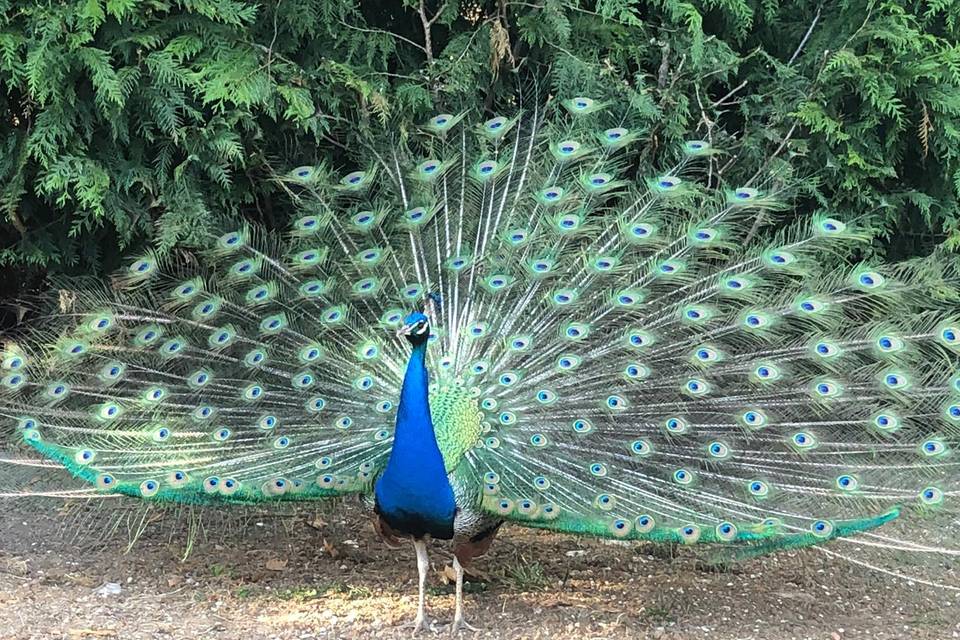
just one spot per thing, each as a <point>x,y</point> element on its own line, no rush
<point>427,25</point>
<point>806,37</point>
<point>664,69</point>
<point>386,33</point>
<point>721,101</point>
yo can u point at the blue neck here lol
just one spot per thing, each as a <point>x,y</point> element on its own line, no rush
<point>414,423</point>
<point>413,492</point>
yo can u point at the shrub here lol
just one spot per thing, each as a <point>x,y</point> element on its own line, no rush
<point>127,121</point>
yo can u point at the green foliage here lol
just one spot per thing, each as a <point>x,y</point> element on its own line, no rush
<point>528,577</point>
<point>131,119</point>
<point>127,121</point>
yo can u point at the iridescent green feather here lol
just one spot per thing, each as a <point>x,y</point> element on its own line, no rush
<point>663,357</point>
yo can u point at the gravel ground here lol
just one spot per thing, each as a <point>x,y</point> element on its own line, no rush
<point>323,574</point>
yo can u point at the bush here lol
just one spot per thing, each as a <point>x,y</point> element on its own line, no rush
<point>127,121</point>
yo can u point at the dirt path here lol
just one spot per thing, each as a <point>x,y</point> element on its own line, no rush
<point>281,578</point>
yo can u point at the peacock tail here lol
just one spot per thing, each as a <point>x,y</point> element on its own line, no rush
<point>615,351</point>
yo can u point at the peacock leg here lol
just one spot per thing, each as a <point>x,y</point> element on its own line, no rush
<point>458,620</point>
<point>423,565</point>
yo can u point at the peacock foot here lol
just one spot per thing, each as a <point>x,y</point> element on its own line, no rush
<point>460,624</point>
<point>416,626</point>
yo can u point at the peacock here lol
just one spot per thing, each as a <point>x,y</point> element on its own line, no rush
<point>515,319</point>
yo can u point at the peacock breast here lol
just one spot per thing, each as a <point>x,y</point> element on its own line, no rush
<point>457,421</point>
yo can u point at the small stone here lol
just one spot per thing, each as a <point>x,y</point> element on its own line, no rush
<point>109,589</point>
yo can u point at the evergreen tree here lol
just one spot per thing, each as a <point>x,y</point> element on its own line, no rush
<point>134,121</point>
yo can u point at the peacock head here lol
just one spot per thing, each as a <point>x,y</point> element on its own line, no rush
<point>416,328</point>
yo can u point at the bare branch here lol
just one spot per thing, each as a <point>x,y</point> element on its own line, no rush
<point>806,37</point>
<point>759,218</point>
<point>427,22</point>
<point>386,33</point>
<point>721,101</point>
<point>664,69</point>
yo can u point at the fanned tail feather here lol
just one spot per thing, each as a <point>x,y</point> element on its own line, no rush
<point>613,355</point>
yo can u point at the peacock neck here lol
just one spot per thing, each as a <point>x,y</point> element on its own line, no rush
<point>413,413</point>
<point>413,494</point>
